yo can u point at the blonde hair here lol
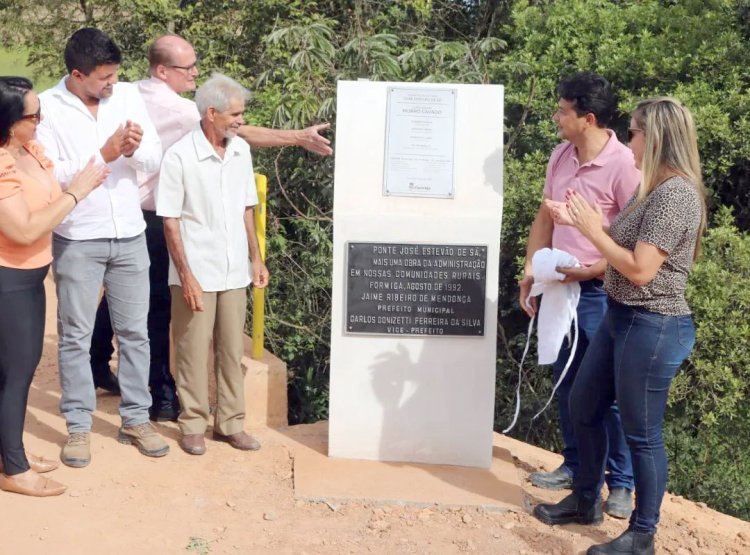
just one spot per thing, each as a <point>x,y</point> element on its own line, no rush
<point>671,147</point>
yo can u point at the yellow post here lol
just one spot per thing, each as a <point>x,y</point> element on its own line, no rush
<point>261,183</point>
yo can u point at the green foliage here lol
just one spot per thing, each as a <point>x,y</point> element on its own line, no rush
<point>14,62</point>
<point>710,398</point>
<point>293,53</point>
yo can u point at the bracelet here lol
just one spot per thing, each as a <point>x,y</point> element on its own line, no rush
<point>72,195</point>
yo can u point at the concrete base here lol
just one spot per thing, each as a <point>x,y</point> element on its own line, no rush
<point>265,389</point>
<point>321,478</point>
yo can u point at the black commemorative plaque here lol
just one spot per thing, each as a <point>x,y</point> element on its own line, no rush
<point>415,289</point>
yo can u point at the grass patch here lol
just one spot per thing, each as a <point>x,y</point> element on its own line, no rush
<point>198,545</point>
<point>13,62</point>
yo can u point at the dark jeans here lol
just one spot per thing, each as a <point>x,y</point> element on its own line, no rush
<point>633,358</point>
<point>160,380</point>
<point>591,309</point>
<point>22,315</point>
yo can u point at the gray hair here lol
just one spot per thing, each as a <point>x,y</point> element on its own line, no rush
<point>218,92</point>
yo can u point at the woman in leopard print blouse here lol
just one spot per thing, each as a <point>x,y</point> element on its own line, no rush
<point>648,331</point>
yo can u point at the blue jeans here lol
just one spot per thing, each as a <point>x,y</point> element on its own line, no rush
<point>160,379</point>
<point>632,359</point>
<point>591,309</point>
<point>81,268</point>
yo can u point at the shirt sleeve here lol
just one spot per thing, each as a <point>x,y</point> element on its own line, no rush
<point>668,216</point>
<point>170,192</point>
<point>9,181</point>
<point>551,167</point>
<point>147,157</point>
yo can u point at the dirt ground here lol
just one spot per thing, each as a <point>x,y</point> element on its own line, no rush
<point>232,502</point>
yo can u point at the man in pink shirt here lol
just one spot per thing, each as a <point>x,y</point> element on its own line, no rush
<point>594,163</point>
<point>174,66</point>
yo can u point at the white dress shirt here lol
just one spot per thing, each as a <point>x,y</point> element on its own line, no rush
<point>71,136</point>
<point>173,117</point>
<point>209,195</point>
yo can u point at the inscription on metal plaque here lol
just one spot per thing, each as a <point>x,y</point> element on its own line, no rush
<point>415,289</point>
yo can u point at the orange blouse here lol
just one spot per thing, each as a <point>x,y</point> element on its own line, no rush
<point>36,195</point>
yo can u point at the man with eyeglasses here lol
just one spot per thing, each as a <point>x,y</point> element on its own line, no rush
<point>174,67</point>
<point>594,163</point>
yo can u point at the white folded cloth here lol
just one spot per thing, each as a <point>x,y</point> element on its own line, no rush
<point>557,311</point>
<point>559,300</point>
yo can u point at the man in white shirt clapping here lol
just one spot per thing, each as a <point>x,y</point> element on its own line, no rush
<point>101,243</point>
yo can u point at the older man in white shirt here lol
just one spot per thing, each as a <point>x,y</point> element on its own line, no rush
<point>206,196</point>
<point>89,115</point>
<point>174,67</point>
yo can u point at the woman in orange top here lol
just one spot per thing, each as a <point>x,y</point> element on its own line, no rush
<point>31,205</point>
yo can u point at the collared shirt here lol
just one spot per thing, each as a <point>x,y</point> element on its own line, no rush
<point>609,179</point>
<point>173,117</point>
<point>209,195</point>
<point>71,136</point>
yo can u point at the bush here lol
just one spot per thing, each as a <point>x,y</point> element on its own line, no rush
<point>707,430</point>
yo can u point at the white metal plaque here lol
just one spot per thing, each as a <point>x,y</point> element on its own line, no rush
<point>419,142</point>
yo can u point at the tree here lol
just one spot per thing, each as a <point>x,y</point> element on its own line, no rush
<point>292,53</point>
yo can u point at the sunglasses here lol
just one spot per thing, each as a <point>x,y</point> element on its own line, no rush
<point>632,131</point>
<point>37,117</point>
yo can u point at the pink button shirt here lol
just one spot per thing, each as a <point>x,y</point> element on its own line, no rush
<point>173,116</point>
<point>609,179</point>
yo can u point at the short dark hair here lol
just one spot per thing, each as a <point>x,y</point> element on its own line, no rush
<point>12,93</point>
<point>590,94</point>
<point>88,48</point>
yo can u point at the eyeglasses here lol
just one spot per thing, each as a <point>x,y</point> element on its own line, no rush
<point>632,131</point>
<point>191,67</point>
<point>36,117</point>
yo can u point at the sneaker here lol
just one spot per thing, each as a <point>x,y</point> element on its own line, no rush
<point>77,450</point>
<point>560,478</point>
<point>145,438</point>
<point>619,503</point>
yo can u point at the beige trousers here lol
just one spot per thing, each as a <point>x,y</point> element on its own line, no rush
<point>223,320</point>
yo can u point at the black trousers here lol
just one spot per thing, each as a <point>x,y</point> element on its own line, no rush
<point>22,315</point>
<point>160,379</point>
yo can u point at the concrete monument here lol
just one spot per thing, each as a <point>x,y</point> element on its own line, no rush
<point>417,215</point>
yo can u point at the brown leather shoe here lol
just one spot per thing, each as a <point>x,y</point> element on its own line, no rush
<point>31,483</point>
<point>240,440</point>
<point>37,464</point>
<point>193,444</point>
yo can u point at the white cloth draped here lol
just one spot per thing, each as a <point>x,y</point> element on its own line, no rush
<point>557,311</point>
